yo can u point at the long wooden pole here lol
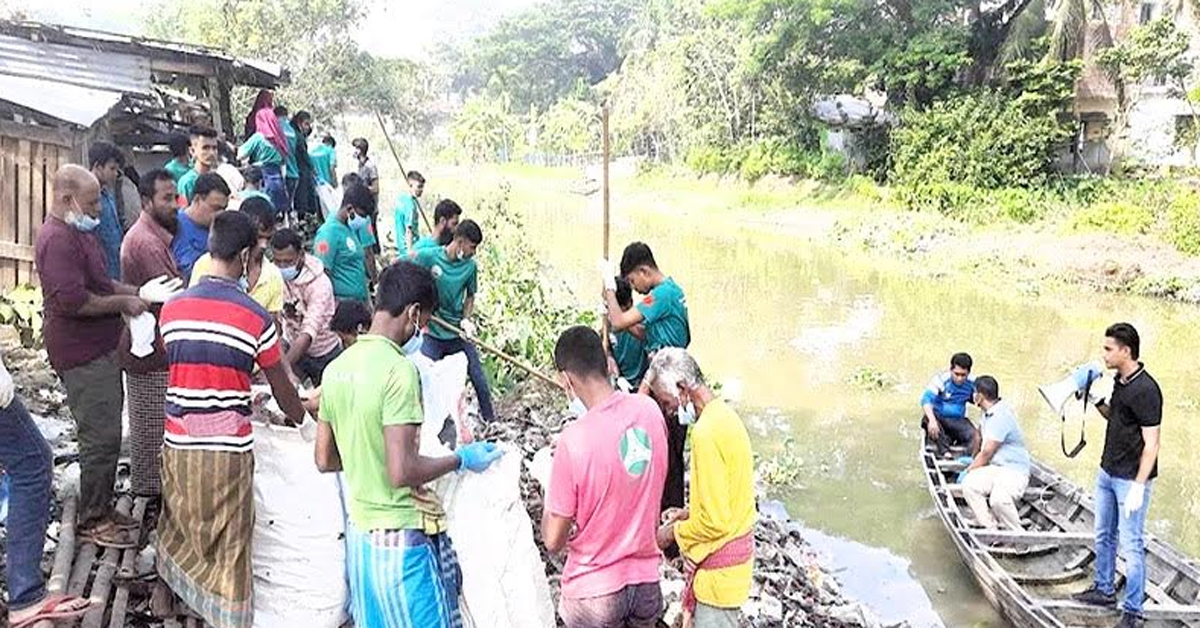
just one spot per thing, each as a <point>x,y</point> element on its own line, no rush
<point>403,172</point>
<point>497,352</point>
<point>607,157</point>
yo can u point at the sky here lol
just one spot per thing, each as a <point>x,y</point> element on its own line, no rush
<point>392,29</point>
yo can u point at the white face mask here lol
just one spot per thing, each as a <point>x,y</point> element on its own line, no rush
<point>687,413</point>
<point>576,408</point>
<point>412,346</point>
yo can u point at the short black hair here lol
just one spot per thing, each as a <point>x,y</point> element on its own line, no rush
<point>445,210</point>
<point>101,152</point>
<point>210,182</point>
<point>287,239</point>
<point>580,352</point>
<point>1127,336</point>
<point>359,197</point>
<point>961,360</point>
<point>328,140</point>
<point>987,386</point>
<point>301,116</point>
<point>413,175</point>
<point>148,182</point>
<point>351,179</point>
<point>361,144</point>
<point>624,293</point>
<point>201,131</point>
<point>470,230</point>
<point>280,110</point>
<point>405,283</point>
<point>230,234</point>
<point>253,175</point>
<point>177,143</point>
<point>636,255</point>
<point>261,210</point>
<point>349,316</point>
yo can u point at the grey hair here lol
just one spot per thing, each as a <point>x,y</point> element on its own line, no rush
<point>672,366</point>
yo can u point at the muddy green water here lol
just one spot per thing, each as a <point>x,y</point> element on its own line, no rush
<point>785,326</point>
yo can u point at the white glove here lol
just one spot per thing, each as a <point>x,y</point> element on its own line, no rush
<point>1134,499</point>
<point>608,274</point>
<point>160,289</point>
<point>7,388</point>
<point>308,429</point>
<point>468,327</point>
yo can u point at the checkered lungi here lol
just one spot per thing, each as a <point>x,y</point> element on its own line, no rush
<point>403,579</point>
<point>146,396</point>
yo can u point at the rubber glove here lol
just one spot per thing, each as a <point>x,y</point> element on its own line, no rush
<point>1134,500</point>
<point>468,327</point>
<point>160,289</point>
<point>608,274</point>
<point>7,388</point>
<point>1086,374</point>
<point>478,457</point>
<point>962,475</point>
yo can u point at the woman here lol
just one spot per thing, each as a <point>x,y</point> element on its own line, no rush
<point>267,148</point>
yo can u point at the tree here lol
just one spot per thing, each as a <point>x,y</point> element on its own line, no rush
<point>486,130</point>
<point>570,127</point>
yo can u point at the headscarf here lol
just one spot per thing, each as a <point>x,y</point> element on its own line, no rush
<point>267,123</point>
<point>264,100</point>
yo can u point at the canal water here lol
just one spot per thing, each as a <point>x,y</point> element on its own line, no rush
<point>798,334</point>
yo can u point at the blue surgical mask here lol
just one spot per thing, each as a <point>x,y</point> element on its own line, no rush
<point>81,221</point>
<point>244,283</point>
<point>577,408</point>
<point>358,222</point>
<point>289,273</point>
<point>412,346</point>
<point>687,413</point>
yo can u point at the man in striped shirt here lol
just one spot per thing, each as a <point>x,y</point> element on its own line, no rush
<point>214,335</point>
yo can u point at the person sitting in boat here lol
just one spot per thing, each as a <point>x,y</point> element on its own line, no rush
<point>999,474</point>
<point>944,403</point>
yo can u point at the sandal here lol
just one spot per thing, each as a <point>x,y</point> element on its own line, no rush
<point>52,608</point>
<point>125,522</point>
<point>109,534</point>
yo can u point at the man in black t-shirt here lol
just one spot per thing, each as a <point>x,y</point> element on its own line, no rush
<point>1128,467</point>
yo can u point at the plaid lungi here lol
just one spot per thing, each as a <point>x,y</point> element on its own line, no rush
<point>205,531</point>
<point>146,394</point>
<point>403,579</point>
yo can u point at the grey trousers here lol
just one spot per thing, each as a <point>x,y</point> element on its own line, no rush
<point>95,396</point>
<point>712,617</point>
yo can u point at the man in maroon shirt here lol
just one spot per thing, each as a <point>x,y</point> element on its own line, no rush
<point>82,308</point>
<point>146,256</point>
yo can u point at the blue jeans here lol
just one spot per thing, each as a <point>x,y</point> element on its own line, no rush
<point>275,187</point>
<point>29,463</point>
<point>436,349</point>
<point>1112,526</point>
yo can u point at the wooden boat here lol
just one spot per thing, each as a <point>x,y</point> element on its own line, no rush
<point>1030,575</point>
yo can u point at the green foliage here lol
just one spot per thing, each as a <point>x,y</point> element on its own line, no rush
<point>923,69</point>
<point>1043,87</point>
<point>485,131</point>
<point>754,160</point>
<point>871,379</point>
<point>1114,217</point>
<point>21,307</point>
<point>782,468</point>
<point>570,127</point>
<point>1155,51</point>
<point>1183,223</point>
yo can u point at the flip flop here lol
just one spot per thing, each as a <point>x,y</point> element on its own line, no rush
<point>110,535</point>
<point>56,607</point>
<point>125,522</point>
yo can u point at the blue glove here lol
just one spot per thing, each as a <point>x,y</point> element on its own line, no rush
<point>962,475</point>
<point>1085,375</point>
<point>477,456</point>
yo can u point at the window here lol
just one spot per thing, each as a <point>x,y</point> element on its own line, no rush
<point>1147,15</point>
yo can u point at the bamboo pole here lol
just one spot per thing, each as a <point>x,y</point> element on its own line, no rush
<point>64,554</point>
<point>127,571</point>
<point>497,352</point>
<point>605,150</point>
<point>102,584</point>
<point>404,173</point>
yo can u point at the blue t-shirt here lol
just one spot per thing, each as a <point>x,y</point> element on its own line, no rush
<point>189,245</point>
<point>666,315</point>
<point>949,400</point>
<point>110,233</point>
<point>1000,425</point>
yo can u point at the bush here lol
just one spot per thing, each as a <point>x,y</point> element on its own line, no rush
<point>1114,217</point>
<point>1183,223</point>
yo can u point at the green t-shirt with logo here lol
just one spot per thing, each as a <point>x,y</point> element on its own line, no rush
<point>293,140</point>
<point>666,314</point>
<point>176,169</point>
<point>426,242</point>
<point>369,387</point>
<point>324,160</point>
<point>186,185</point>
<point>258,150</point>
<point>456,281</point>
<point>341,252</point>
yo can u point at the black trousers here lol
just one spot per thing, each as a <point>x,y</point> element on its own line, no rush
<point>673,490</point>
<point>954,432</point>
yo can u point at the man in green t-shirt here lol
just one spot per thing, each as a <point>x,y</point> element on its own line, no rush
<point>453,267</point>
<point>205,159</point>
<point>445,221</point>
<point>628,346</point>
<point>408,214</point>
<point>324,160</point>
<point>180,161</point>
<point>401,563</point>
<point>339,247</point>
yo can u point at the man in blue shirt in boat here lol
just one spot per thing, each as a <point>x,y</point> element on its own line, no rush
<point>999,474</point>
<point>944,404</point>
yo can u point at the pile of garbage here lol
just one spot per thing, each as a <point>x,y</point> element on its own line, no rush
<point>792,587</point>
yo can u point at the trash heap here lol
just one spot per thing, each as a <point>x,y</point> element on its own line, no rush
<point>791,585</point>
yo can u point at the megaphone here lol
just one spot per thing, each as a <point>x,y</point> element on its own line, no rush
<point>1075,386</point>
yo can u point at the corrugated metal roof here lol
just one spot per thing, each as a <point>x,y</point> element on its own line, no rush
<point>74,65</point>
<point>63,101</point>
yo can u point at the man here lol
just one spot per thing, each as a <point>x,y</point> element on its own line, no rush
<point>105,162</point>
<point>715,534</point>
<point>291,169</point>
<point>180,161</point>
<point>210,197</point>
<point>324,160</point>
<point>1000,471</point>
<point>263,281</point>
<point>402,567</point>
<point>408,214</point>
<point>1128,467</point>
<point>338,247</point>
<point>944,406</point>
<point>629,351</point>
<point>205,159</point>
<point>663,313</point>
<point>368,174</point>
<point>308,307</point>
<point>146,257</point>
<point>82,306</point>
<point>304,197</point>
<point>350,320</point>
<point>29,464</point>
<point>445,221</point>
<point>606,481</point>
<point>215,334</point>
<point>457,282</point>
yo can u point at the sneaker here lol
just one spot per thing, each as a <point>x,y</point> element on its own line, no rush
<point>1129,620</point>
<point>1095,597</point>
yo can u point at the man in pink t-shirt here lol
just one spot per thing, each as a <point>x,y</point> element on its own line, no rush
<point>607,479</point>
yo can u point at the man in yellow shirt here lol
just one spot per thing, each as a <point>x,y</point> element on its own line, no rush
<point>715,533</point>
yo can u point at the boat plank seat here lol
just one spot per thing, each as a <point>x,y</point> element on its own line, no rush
<point>1170,612</point>
<point>1062,577</point>
<point>1033,536</point>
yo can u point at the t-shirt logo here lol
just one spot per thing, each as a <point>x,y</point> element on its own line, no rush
<point>649,300</point>
<point>351,245</point>
<point>436,271</point>
<point>323,248</point>
<point>635,451</point>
